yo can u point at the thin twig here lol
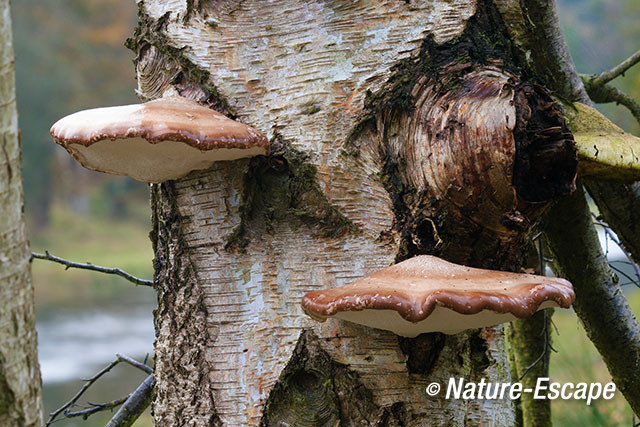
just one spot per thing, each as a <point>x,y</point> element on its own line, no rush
<point>609,235</point>
<point>547,346</point>
<point>93,408</point>
<point>88,266</point>
<point>142,366</point>
<point>545,330</point>
<point>601,92</point>
<point>89,382</point>
<point>616,71</point>
<point>619,271</point>
<point>74,399</point>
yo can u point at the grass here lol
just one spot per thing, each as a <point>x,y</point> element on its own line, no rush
<point>99,240</point>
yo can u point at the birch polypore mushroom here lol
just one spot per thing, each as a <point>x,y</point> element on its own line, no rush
<point>428,294</point>
<point>156,141</point>
<point>604,149</point>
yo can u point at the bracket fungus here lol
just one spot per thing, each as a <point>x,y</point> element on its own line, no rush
<point>156,141</point>
<point>427,294</point>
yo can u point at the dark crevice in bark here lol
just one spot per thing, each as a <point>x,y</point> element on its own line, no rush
<point>479,353</point>
<point>7,398</point>
<point>314,390</point>
<point>484,41</point>
<point>546,161</point>
<point>418,232</point>
<point>180,322</point>
<point>422,352</point>
<point>154,51</point>
<point>283,188</point>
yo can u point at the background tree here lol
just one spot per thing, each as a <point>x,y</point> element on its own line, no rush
<point>20,398</point>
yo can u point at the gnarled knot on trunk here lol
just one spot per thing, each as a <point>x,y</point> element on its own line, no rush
<point>482,147</point>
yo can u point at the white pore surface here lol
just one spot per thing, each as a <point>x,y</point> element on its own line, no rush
<point>147,162</point>
<point>441,319</point>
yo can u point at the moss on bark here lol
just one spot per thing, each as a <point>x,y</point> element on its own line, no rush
<point>528,340</point>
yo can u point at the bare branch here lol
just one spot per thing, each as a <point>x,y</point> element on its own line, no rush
<point>605,93</point>
<point>609,234</point>
<point>619,206</point>
<point>605,77</point>
<point>74,399</point>
<point>142,366</point>
<point>135,405</point>
<point>89,382</point>
<point>88,266</point>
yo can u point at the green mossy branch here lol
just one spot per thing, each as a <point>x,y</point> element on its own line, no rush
<point>528,340</point>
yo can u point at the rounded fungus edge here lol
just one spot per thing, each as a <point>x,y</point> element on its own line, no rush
<point>427,294</point>
<point>156,141</point>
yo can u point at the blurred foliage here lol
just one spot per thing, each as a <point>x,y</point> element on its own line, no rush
<point>69,56</point>
<point>601,34</point>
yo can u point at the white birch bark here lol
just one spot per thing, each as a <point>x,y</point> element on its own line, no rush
<point>20,384</point>
<point>229,316</point>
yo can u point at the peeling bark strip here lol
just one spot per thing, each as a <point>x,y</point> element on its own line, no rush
<point>238,245</point>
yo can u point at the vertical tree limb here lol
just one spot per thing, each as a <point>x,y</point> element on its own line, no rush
<point>529,343</point>
<point>20,394</point>
<point>550,56</point>
<point>600,303</point>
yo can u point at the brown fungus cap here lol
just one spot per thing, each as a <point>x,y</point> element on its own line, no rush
<point>157,141</point>
<point>428,294</point>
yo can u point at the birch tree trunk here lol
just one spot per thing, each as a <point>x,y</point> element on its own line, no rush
<point>359,99</point>
<point>20,384</point>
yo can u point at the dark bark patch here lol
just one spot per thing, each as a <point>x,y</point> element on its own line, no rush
<point>7,398</point>
<point>479,353</point>
<point>314,390</point>
<point>283,187</point>
<point>484,41</point>
<point>180,322</point>
<point>422,352</point>
<point>153,50</point>
<point>546,161</point>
